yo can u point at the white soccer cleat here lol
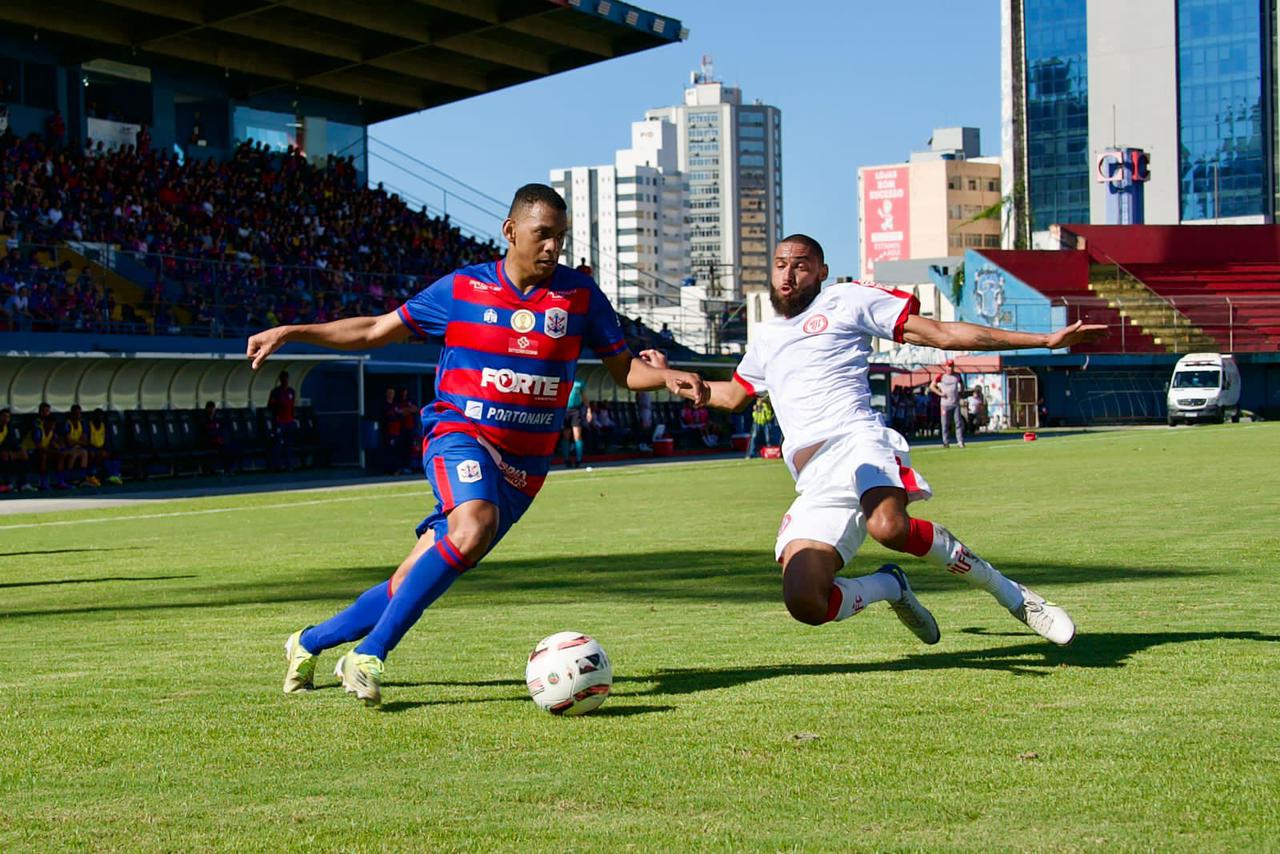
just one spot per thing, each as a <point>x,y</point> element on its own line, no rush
<point>361,675</point>
<point>1046,619</point>
<point>301,673</point>
<point>911,613</point>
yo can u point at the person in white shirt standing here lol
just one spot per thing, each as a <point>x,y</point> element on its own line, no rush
<point>853,474</point>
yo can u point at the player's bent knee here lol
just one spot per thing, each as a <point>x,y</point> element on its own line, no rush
<point>889,530</point>
<point>806,608</point>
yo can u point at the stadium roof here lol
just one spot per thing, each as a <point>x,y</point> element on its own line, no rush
<point>392,57</point>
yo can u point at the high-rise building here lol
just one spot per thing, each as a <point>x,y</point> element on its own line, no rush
<point>731,157</point>
<point>1186,89</point>
<point>941,202</point>
<point>626,220</point>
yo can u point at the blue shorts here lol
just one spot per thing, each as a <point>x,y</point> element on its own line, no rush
<point>460,469</point>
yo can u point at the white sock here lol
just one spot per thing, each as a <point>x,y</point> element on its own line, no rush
<point>860,592</point>
<point>956,558</point>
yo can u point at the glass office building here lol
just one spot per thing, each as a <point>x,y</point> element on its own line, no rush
<point>1223,109</point>
<point>1057,112</point>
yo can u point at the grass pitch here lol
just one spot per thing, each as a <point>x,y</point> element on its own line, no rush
<point>140,686</point>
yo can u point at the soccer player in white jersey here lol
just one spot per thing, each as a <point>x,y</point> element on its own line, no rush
<point>853,474</point>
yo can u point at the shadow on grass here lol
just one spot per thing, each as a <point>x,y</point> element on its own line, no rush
<point>1035,658</point>
<point>9,584</point>
<point>723,576</point>
<point>68,551</point>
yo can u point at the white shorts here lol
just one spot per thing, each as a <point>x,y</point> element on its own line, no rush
<point>828,506</point>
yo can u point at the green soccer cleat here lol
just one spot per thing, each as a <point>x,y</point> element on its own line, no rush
<point>361,675</point>
<point>302,665</point>
<point>911,613</point>
<point>1050,621</point>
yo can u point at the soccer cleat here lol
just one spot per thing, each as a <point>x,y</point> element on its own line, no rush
<point>115,480</point>
<point>302,665</point>
<point>911,613</point>
<point>1046,619</point>
<point>92,481</point>
<point>361,675</point>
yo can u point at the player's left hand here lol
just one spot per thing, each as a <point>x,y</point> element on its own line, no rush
<point>688,385</point>
<point>1076,333</point>
<point>654,358</point>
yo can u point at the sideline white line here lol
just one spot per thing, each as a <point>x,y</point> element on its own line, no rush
<point>423,494</point>
<point>205,512</point>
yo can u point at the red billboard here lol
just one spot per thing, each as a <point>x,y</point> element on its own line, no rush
<point>886,217</point>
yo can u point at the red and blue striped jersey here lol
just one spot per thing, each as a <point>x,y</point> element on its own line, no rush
<point>509,359</point>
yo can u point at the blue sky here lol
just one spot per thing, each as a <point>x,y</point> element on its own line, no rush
<point>858,82</point>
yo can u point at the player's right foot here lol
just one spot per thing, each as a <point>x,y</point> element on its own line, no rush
<point>1046,619</point>
<point>361,675</point>
<point>302,665</point>
<point>911,613</point>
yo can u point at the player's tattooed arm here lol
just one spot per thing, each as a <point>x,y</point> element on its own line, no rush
<point>971,336</point>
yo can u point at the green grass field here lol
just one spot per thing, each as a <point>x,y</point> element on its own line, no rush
<point>141,705</point>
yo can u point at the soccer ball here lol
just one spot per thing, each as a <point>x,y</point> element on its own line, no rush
<point>568,674</point>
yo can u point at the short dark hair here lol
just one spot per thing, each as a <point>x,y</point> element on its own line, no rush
<point>531,194</point>
<point>808,243</point>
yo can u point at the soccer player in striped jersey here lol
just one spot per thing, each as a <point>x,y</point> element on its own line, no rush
<point>513,332</point>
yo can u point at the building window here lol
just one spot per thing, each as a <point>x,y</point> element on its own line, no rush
<point>1057,112</point>
<point>1222,115</point>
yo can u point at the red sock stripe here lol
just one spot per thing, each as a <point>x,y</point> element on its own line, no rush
<point>834,601</point>
<point>452,556</point>
<point>919,538</point>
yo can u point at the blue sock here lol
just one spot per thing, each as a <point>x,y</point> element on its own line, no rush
<point>577,448</point>
<point>352,624</point>
<point>426,581</point>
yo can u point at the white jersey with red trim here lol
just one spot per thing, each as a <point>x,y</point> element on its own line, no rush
<point>814,365</point>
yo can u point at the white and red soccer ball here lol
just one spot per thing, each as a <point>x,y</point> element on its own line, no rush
<point>568,674</point>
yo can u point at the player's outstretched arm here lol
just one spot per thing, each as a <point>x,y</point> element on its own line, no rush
<point>639,374</point>
<point>350,333</point>
<point>721,395</point>
<point>956,335</point>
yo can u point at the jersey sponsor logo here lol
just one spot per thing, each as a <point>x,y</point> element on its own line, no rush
<point>474,409</point>
<point>815,324</point>
<point>490,316</point>
<point>557,322</point>
<point>489,287</point>
<point>522,346</point>
<point>516,416</point>
<point>508,381</point>
<point>523,320</point>
<point>469,471</point>
<point>519,478</point>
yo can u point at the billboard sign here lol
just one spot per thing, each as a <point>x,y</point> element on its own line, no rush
<point>886,217</point>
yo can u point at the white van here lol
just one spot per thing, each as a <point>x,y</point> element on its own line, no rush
<point>1204,387</point>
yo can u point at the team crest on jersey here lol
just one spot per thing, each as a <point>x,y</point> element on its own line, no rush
<point>815,324</point>
<point>557,321</point>
<point>469,471</point>
<point>490,316</point>
<point>523,320</point>
<point>475,409</point>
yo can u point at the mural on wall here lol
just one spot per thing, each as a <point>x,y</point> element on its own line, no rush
<point>988,294</point>
<point>994,395</point>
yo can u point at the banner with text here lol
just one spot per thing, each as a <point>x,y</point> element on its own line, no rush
<point>886,220</point>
